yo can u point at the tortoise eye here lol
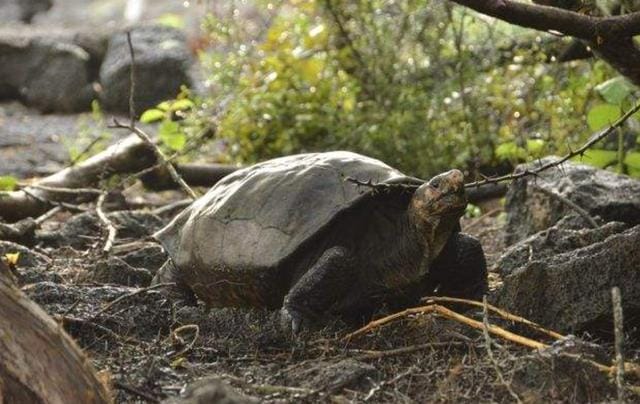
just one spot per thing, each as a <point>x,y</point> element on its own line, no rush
<point>435,183</point>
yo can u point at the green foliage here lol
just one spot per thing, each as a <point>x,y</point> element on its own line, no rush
<point>616,95</point>
<point>472,211</point>
<point>169,116</point>
<point>171,20</point>
<point>603,115</point>
<point>423,86</point>
<point>616,90</point>
<point>8,183</point>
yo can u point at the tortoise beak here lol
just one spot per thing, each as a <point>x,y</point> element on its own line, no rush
<point>446,191</point>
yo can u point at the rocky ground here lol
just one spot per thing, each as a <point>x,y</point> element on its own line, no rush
<point>548,263</point>
<point>150,347</point>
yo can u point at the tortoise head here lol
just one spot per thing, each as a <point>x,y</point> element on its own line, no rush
<point>436,207</point>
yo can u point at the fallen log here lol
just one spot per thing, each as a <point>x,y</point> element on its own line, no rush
<point>130,155</point>
<point>39,362</point>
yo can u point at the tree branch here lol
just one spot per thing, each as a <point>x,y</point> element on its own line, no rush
<point>546,18</point>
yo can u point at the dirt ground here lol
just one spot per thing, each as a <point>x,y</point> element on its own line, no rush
<point>150,347</point>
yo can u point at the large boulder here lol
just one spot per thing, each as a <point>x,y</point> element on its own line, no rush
<point>21,10</point>
<point>562,277</point>
<point>162,64</point>
<point>568,234</point>
<point>611,196</point>
<point>49,71</point>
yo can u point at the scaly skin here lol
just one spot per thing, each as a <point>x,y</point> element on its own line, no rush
<point>345,277</point>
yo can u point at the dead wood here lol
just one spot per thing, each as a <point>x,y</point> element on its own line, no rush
<point>78,183</point>
<point>126,156</point>
<point>39,362</point>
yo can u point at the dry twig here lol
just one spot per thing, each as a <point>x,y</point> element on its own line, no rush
<point>368,355</point>
<point>618,327</point>
<point>452,315</point>
<point>63,190</point>
<point>385,383</point>
<point>142,135</point>
<point>175,336</point>
<point>111,229</point>
<point>502,313</point>
<point>494,362</point>
<point>128,295</point>
<point>585,215</point>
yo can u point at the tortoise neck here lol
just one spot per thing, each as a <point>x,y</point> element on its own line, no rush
<point>431,232</point>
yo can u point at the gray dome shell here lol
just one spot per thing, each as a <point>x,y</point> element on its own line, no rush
<point>256,217</point>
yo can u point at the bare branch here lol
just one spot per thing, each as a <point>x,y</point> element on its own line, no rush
<point>578,152</point>
<point>142,135</point>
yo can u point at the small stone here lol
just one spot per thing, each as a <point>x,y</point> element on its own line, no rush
<point>210,390</point>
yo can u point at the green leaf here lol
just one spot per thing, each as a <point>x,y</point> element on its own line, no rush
<point>603,115</point>
<point>171,20</point>
<point>164,106</point>
<point>535,146</point>
<point>598,157</point>
<point>8,183</point>
<point>632,161</point>
<point>615,91</point>
<point>472,211</point>
<point>171,135</point>
<point>182,105</point>
<point>151,115</point>
<point>510,151</point>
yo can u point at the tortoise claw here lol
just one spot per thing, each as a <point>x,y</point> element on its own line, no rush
<point>291,320</point>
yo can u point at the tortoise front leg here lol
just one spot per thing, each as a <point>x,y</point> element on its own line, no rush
<point>460,270</point>
<point>326,283</point>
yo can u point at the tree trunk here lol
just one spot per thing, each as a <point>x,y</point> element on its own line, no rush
<point>39,362</point>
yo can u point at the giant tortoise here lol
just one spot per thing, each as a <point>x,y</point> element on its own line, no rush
<point>306,234</point>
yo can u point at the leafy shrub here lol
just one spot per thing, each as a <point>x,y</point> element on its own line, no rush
<point>421,85</point>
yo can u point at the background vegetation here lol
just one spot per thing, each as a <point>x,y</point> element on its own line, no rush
<point>422,85</point>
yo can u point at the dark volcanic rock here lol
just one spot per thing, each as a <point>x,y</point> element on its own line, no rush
<point>602,193</point>
<point>47,71</point>
<point>570,233</point>
<point>571,291</point>
<point>162,64</point>
<point>22,10</point>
